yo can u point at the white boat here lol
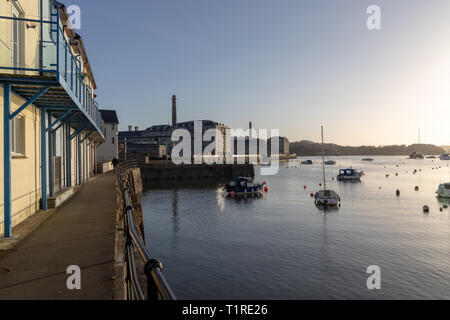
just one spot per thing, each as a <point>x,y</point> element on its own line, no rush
<point>368,159</point>
<point>327,198</point>
<point>330,162</point>
<point>349,175</point>
<point>444,156</point>
<point>444,190</point>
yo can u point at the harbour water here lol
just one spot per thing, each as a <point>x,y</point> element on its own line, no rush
<point>282,247</point>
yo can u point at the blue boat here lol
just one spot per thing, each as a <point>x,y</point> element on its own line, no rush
<point>349,175</point>
<point>244,186</point>
<point>308,162</point>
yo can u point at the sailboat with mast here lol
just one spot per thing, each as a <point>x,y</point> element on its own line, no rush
<point>326,197</point>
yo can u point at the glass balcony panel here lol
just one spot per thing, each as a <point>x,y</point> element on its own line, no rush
<point>21,48</point>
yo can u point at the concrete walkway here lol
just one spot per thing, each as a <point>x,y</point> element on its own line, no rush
<point>81,232</point>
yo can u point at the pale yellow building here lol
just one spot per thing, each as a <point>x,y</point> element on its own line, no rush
<point>47,84</point>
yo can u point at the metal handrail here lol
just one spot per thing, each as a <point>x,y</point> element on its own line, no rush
<point>157,285</point>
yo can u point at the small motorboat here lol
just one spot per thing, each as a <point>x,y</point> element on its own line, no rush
<point>327,198</point>
<point>330,162</point>
<point>349,175</point>
<point>431,157</point>
<point>444,156</point>
<point>444,190</point>
<point>307,162</point>
<point>368,159</point>
<point>244,186</point>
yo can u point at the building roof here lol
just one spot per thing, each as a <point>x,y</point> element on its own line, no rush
<point>131,134</point>
<point>109,116</point>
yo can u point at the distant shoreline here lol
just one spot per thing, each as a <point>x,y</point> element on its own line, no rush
<point>308,148</point>
<point>360,155</point>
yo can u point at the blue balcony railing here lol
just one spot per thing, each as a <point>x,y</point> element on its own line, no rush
<point>47,55</point>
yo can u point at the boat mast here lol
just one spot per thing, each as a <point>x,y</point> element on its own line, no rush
<point>323,162</point>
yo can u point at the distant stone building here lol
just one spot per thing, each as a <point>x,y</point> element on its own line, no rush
<point>156,141</point>
<point>283,146</point>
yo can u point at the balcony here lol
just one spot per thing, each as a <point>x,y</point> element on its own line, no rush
<point>38,61</point>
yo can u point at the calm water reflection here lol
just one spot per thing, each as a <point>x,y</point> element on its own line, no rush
<point>283,247</point>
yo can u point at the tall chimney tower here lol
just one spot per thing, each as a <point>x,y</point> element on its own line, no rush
<point>250,129</point>
<point>174,110</point>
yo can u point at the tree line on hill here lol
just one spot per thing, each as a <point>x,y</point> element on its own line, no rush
<point>309,148</point>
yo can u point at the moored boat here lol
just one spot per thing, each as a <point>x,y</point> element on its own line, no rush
<point>244,186</point>
<point>308,162</point>
<point>444,156</point>
<point>349,175</point>
<point>417,156</point>
<point>326,197</point>
<point>368,159</point>
<point>444,190</point>
<point>330,162</point>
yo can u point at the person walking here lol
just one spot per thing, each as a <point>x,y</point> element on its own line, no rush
<point>114,163</point>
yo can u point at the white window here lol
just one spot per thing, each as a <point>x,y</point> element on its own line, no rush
<point>18,135</point>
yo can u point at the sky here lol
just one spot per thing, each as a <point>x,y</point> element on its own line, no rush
<point>292,65</point>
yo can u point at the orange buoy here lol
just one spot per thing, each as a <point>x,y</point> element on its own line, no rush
<point>232,194</point>
<point>416,188</point>
<point>387,176</point>
<point>441,209</point>
<point>304,187</point>
<point>266,189</point>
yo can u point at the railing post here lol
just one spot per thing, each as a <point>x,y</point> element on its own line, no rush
<point>50,158</point>
<point>68,157</point>
<point>80,178</point>
<point>7,159</point>
<point>152,290</point>
<point>57,43</point>
<point>71,71</point>
<point>43,159</point>
<point>65,60</point>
